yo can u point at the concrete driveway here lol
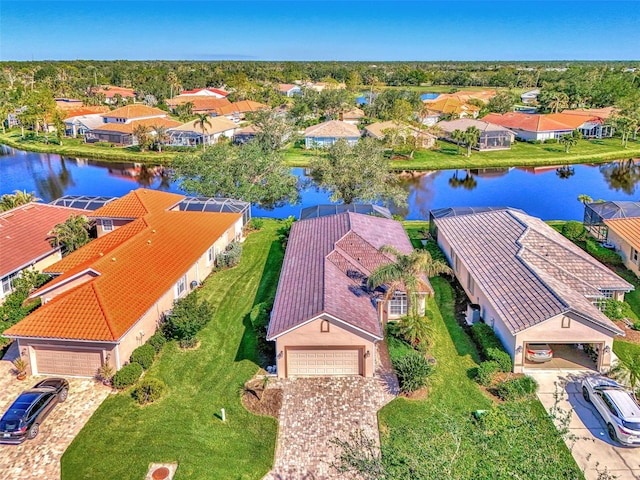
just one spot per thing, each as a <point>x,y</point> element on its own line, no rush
<point>588,440</point>
<point>40,458</point>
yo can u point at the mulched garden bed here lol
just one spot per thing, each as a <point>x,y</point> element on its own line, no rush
<point>262,402</point>
<point>631,335</point>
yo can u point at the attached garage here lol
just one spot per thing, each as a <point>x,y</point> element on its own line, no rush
<point>74,362</point>
<point>328,361</point>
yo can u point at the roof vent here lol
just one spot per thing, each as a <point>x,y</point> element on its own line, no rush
<point>153,231</point>
<point>149,242</point>
<point>113,259</point>
<point>101,254</point>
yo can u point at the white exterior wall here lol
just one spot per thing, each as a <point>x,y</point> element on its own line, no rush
<point>129,120</point>
<point>626,251</point>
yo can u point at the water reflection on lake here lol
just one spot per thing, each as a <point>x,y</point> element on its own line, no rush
<point>547,192</point>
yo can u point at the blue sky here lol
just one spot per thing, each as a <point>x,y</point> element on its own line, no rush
<point>320,30</point>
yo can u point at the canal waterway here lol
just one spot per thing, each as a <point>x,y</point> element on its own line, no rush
<point>547,192</point>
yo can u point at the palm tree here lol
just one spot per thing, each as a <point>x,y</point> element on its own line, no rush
<point>559,101</point>
<point>162,136</point>
<point>17,198</point>
<point>458,136</point>
<point>202,121</point>
<point>406,271</point>
<point>470,137</point>
<point>141,133</point>
<point>628,371</point>
<point>71,234</point>
<point>569,140</point>
<point>584,198</point>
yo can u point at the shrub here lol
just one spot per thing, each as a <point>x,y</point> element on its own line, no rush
<point>105,373</point>
<point>259,317</point>
<point>231,256</point>
<point>516,388</point>
<point>256,223</point>
<point>285,229</point>
<point>144,355</point>
<point>412,370</point>
<point>636,326</point>
<point>574,230</point>
<point>127,375</point>
<point>502,358</point>
<point>149,390</point>
<point>617,310</point>
<point>188,342</point>
<point>188,317</point>
<point>484,337</point>
<point>157,341</point>
<point>486,372</point>
<point>604,255</point>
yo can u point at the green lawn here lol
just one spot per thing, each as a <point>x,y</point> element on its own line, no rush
<point>626,349</point>
<point>121,438</point>
<point>445,155</point>
<point>437,438</point>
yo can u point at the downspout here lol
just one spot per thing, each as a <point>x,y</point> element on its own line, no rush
<point>117,356</point>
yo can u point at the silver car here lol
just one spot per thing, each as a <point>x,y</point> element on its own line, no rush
<point>617,406</point>
<point>539,352</point>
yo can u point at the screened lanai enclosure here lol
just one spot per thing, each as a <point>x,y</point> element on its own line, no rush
<point>495,140</point>
<point>216,204</point>
<point>325,210</point>
<point>596,213</point>
<point>82,202</point>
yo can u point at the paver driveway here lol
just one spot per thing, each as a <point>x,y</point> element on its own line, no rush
<point>315,411</point>
<point>593,445</point>
<point>40,458</point>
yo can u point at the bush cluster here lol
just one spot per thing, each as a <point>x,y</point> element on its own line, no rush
<point>484,337</point>
<point>284,230</point>
<point>502,358</point>
<point>144,355</point>
<point>127,375</point>
<point>516,388</point>
<point>157,341</point>
<point>486,372</point>
<point>412,370</point>
<point>604,255</point>
<point>149,390</point>
<point>617,310</point>
<point>574,230</point>
<point>187,318</point>
<point>230,257</point>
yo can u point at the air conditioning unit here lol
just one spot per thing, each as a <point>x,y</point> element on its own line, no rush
<point>473,313</point>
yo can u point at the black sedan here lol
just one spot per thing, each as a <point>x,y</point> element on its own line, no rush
<point>23,418</point>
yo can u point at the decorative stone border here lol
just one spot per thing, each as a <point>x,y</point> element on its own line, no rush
<point>161,471</point>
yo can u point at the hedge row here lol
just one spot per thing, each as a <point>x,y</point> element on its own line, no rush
<point>490,347</point>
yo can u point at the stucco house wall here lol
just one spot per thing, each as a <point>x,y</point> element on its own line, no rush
<point>626,251</point>
<point>339,335</point>
<point>116,222</point>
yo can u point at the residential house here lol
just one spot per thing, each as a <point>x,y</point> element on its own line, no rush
<point>353,116</point>
<point>452,107</point>
<point>68,103</point>
<point>24,242</point>
<point>81,124</point>
<point>237,111</point>
<point>589,126</point>
<point>245,134</point>
<point>380,130</point>
<point>200,104</point>
<point>597,213</point>
<point>109,296</point>
<point>119,124</point>
<point>325,321</point>
<point>205,92</point>
<point>327,133</point>
<point>530,127</point>
<point>530,284</point>
<point>465,95</point>
<point>530,96</point>
<point>289,89</point>
<point>492,136</point>
<point>192,135</point>
<point>110,92</point>
<point>624,233</point>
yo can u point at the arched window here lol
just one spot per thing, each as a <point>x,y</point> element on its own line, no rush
<point>324,326</point>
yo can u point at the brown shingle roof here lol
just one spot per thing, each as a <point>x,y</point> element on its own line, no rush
<point>528,271</point>
<point>325,267</point>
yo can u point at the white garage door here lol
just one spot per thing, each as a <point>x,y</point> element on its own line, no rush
<point>323,362</point>
<point>81,363</point>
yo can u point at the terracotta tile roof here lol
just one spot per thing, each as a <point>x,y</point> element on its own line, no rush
<point>464,123</point>
<point>573,120</point>
<point>451,105</point>
<point>135,111</point>
<point>464,96</point>
<point>24,231</point>
<point>528,271</point>
<point>377,130</point>
<point>200,103</point>
<point>602,113</point>
<point>131,278</point>
<point>111,91</point>
<point>240,107</point>
<point>81,111</point>
<point>332,129</point>
<point>627,228</point>
<point>137,204</point>
<point>195,91</point>
<point>527,121</point>
<point>325,269</point>
<point>285,87</point>
<point>216,125</point>
<point>130,127</point>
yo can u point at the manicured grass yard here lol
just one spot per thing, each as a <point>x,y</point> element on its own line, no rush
<point>437,438</point>
<point>121,439</point>
<point>521,154</point>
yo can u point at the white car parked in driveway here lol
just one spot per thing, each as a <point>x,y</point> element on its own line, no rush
<point>617,406</point>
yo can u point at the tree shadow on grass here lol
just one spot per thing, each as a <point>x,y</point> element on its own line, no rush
<point>248,349</point>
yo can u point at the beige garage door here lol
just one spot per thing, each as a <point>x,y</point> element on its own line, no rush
<point>82,363</point>
<point>323,362</point>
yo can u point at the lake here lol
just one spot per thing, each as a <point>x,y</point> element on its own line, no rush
<point>545,192</point>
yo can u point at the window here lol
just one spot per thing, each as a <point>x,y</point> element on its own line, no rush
<point>566,322</point>
<point>470,283</point>
<point>398,305</point>
<point>324,326</point>
<point>455,262</point>
<point>107,225</point>
<point>7,283</point>
<point>210,256</point>
<point>181,286</point>
<point>600,301</point>
<point>635,255</point>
